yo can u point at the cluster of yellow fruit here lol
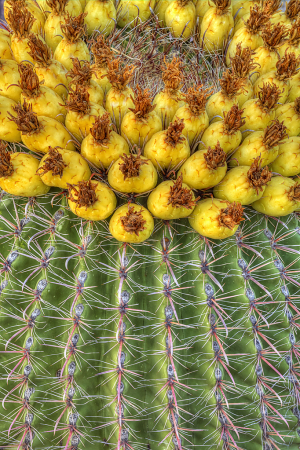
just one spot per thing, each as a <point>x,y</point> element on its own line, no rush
<point>84,116</point>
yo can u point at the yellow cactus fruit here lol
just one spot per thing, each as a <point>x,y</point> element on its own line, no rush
<point>131,224</point>
<point>227,132</point>
<point>9,79</point>
<point>241,8</point>
<point>287,162</point>
<point>216,219</point>
<point>294,88</point>
<point>242,66</point>
<point>8,130</point>
<point>180,18</point>
<point>131,12</point>
<point>226,98</point>
<point>169,148</point>
<point>5,45</point>
<point>244,184</point>
<point>61,7</point>
<point>205,168</point>
<point>60,167</point>
<point>33,8</point>
<point>91,200</point>
<point>102,146</point>
<point>81,74</point>
<point>44,101</point>
<point>259,113</point>
<point>72,45</point>
<point>202,6</point>
<point>167,101</point>
<point>292,44</point>
<point>216,25</point>
<point>20,21</point>
<point>100,15</point>
<point>289,114</point>
<point>132,173</point>
<point>82,113</point>
<point>194,113</point>
<point>171,200</point>
<point>281,197</point>
<point>287,17</point>
<point>141,122</point>
<point>18,174</point>
<point>103,54</point>
<point>119,97</point>
<point>160,10</point>
<point>260,143</point>
<point>40,133</point>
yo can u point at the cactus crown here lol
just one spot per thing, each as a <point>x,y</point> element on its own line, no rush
<point>287,66</point>
<point>230,84</point>
<point>119,76</point>
<point>268,96</point>
<point>294,33</point>
<point>242,63</point>
<point>85,193</point>
<point>6,167</point>
<point>81,72</point>
<point>274,134</point>
<point>74,28</point>
<point>172,75</point>
<point>26,120</point>
<point>29,81</point>
<point>20,20</point>
<point>231,216</point>
<point>258,176</point>
<point>215,157</point>
<point>233,120</point>
<point>58,7</point>
<point>258,18</point>
<point>293,9</point>
<point>53,163</point>
<point>101,128</point>
<point>270,7</point>
<point>142,103</point>
<point>274,35</point>
<point>196,98</point>
<point>174,132</point>
<point>133,222</point>
<point>130,167</point>
<point>181,197</point>
<point>297,105</point>
<point>222,6</point>
<point>79,100</point>
<point>39,51</point>
<point>102,51</point>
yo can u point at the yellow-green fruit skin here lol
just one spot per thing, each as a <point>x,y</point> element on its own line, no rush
<point>202,6</point>
<point>24,181</point>
<point>197,175</point>
<point>53,134</point>
<point>166,105</point>
<point>251,148</point>
<point>246,93</point>
<point>67,50</point>
<point>52,30</point>
<point>145,181</point>
<point>103,207</point>
<point>240,8</point>
<point>193,125</point>
<point>9,78</point>
<point>217,104</point>
<point>138,131</point>
<point>165,155</point>
<point>129,10</point>
<point>48,103</point>
<point>96,94</point>
<point>20,49</point>
<point>266,61</point>
<point>100,79</point>
<point>77,170</point>
<point>215,29</point>
<point>235,187</point>
<point>288,161</point>
<point>102,155</point>
<point>205,219</point>
<point>5,45</point>
<point>255,117</point>
<point>294,88</point>
<point>118,102</point>
<point>246,39</point>
<point>117,230</point>
<point>8,129</point>
<point>158,203</point>
<point>270,77</point>
<point>54,77</point>
<point>291,119</point>
<point>100,16</point>
<point>160,11</point>
<point>79,125</point>
<point>275,201</point>
<point>290,48</point>
<point>181,20</point>
<point>215,133</point>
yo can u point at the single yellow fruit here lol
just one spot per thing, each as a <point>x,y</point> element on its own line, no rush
<point>202,6</point>
<point>103,54</point>
<point>33,8</point>
<point>242,66</point>
<point>216,25</point>
<point>288,161</point>
<point>292,43</point>
<point>81,74</point>
<point>281,197</point>
<point>8,129</point>
<point>131,223</point>
<point>5,45</point>
<point>287,17</point>
<point>289,114</point>
<point>240,8</point>
<point>130,10</point>
<point>9,80</point>
<point>160,11</point>
<point>180,18</point>
<point>294,88</point>
<point>101,16</point>
<point>91,200</point>
<point>216,219</point>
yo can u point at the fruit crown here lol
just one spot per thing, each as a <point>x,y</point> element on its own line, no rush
<point>270,7</point>
<point>297,105</point>
<point>79,100</point>
<point>274,35</point>
<point>274,134</point>
<point>74,28</point>
<point>29,81</point>
<point>294,33</point>
<point>183,2</point>
<point>231,216</point>
<point>20,19</point>
<point>287,65</point>
<point>222,6</point>
<point>39,51</point>
<point>294,192</point>
<point>142,103</point>
<point>119,76</point>
<point>242,63</point>
<point>258,176</point>
<point>293,9</point>
<point>174,132</point>
<point>6,167</point>
<point>172,75</point>
<point>180,197</point>
<point>196,98</point>
<point>26,120</point>
<point>58,7</point>
<point>130,167</point>
<point>230,84</point>
<point>133,222</point>
<point>101,128</point>
<point>102,51</point>
<point>257,20</point>
<point>268,95</point>
<point>81,72</point>
<point>215,157</point>
<point>233,119</point>
<point>53,163</point>
<point>84,192</point>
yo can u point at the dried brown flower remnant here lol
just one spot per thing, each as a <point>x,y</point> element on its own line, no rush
<point>258,176</point>
<point>174,132</point>
<point>81,72</point>
<point>196,98</point>
<point>74,28</point>
<point>58,7</point>
<point>119,75</point>
<point>172,74</point>
<point>287,66</point>
<point>181,197</point>
<point>101,51</point>
<point>78,100</point>
<point>131,165</point>
<point>270,7</point>
<point>269,95</point>
<point>293,9</point>
<point>242,63</point>
<point>231,216</point>
<point>230,84</point>
<point>233,119</point>
<point>274,134</point>
<point>294,34</point>
<point>26,120</point>
<point>6,167</point>
<point>39,51</point>
<point>53,163</point>
<point>133,222</point>
<point>222,6</point>
<point>29,81</point>
<point>85,193</point>
<point>257,20</point>
<point>215,157</point>
<point>297,105</point>
<point>101,128</point>
<point>20,20</point>
<point>274,35</point>
<point>294,193</point>
<point>142,103</point>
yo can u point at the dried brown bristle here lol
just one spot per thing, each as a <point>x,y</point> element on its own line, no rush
<point>20,20</point>
<point>230,84</point>
<point>268,96</point>
<point>196,98</point>
<point>287,66</point>
<point>57,7</point>
<point>172,74</point>
<point>102,51</point>
<point>6,167</point>
<point>215,157</point>
<point>233,119</point>
<point>222,6</point>
<point>297,105</point>
<point>242,63</point>
<point>294,193</point>
<point>293,9</point>
<point>294,33</point>
<point>174,132</point>
<point>119,75</point>
<point>26,120</point>
<point>29,81</point>
<point>74,28</point>
<point>39,51</point>
<point>180,197</point>
<point>270,7</point>
<point>231,216</point>
<point>274,35</point>
<point>130,167</point>
<point>257,20</point>
<point>53,163</point>
<point>142,103</point>
<point>81,72</point>
<point>258,176</point>
<point>133,222</point>
<point>275,134</point>
<point>78,100</point>
<point>101,128</point>
<point>85,193</point>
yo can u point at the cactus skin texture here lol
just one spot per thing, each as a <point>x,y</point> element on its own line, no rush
<point>178,342</point>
